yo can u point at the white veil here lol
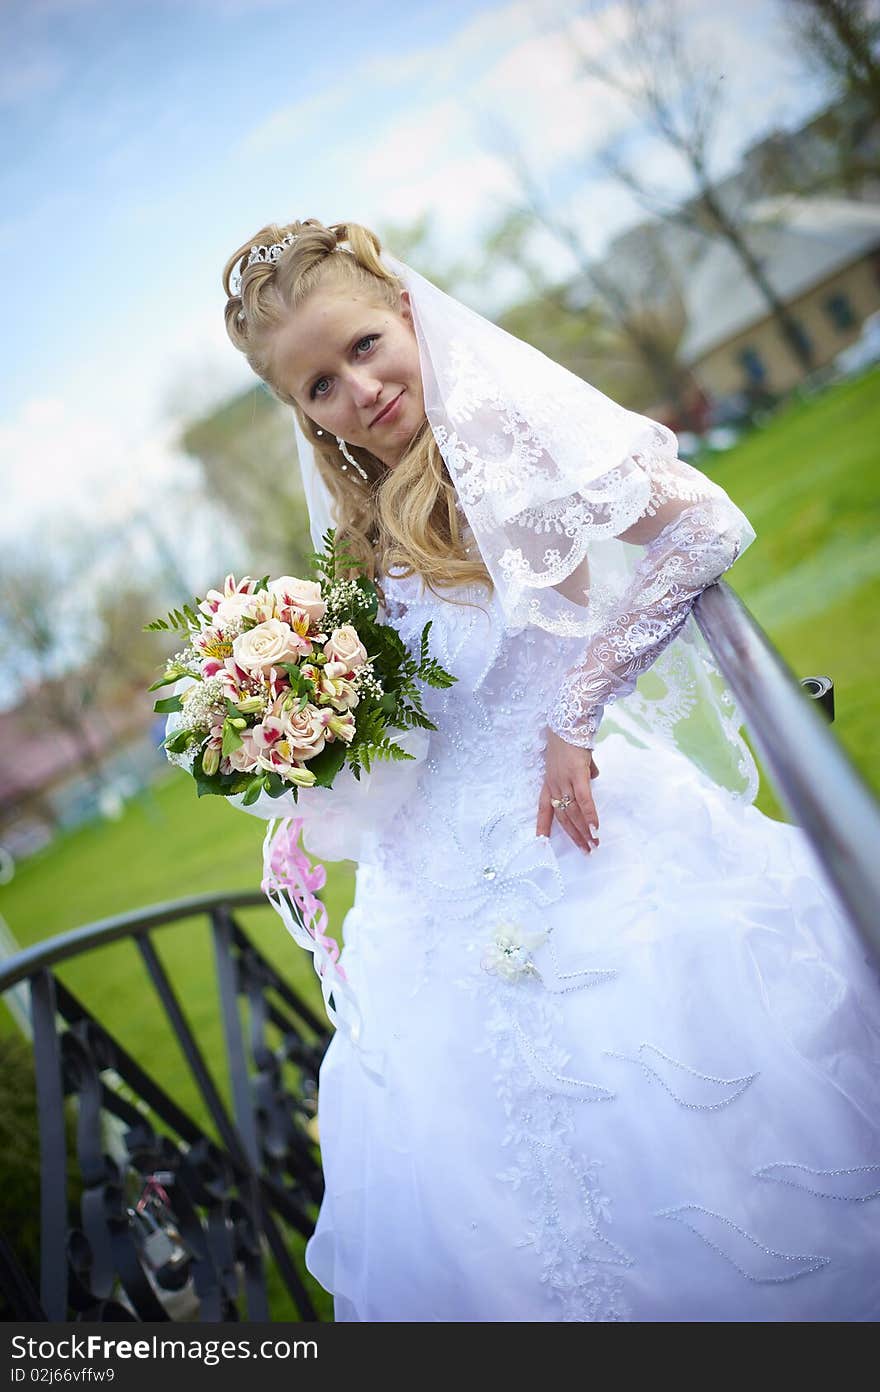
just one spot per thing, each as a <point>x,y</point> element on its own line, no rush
<point>544,471</point>
<point>543,466</point>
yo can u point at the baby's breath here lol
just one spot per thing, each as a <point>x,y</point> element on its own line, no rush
<point>235,626</point>
<point>204,704</point>
<point>342,597</point>
<point>365,680</point>
<point>188,660</point>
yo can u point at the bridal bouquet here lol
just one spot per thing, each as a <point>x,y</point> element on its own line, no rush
<point>283,683</point>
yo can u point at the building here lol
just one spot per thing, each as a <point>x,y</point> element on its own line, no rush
<point>47,783</point>
<point>822,259</point>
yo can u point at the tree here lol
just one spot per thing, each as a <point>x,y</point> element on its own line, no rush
<point>247,456</point>
<point>841,38</point>
<point>39,638</point>
<point>413,243</point>
<point>672,91</point>
<point>73,645</point>
<point>641,316</point>
<point>125,658</point>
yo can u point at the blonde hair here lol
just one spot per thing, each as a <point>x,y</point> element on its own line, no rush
<point>404,517</point>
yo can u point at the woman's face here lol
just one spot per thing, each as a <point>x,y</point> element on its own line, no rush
<point>352,365</point>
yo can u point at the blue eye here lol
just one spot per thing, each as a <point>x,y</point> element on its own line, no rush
<point>368,339</point>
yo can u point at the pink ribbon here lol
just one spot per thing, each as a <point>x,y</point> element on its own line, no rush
<point>291,870</point>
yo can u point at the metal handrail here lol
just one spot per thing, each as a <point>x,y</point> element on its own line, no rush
<point>229,1196</point>
<point>103,931</point>
<point>816,780</point>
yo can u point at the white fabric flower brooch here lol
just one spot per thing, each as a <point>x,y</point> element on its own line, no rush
<point>508,953</point>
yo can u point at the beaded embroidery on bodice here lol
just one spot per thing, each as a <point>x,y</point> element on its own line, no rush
<point>486,758</point>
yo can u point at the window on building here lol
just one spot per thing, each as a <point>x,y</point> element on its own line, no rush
<point>840,311</point>
<point>802,338</point>
<point>753,364</point>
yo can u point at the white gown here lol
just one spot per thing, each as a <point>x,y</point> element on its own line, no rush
<point>674,1116</point>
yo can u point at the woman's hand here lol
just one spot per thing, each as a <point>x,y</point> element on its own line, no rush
<point>568,771</point>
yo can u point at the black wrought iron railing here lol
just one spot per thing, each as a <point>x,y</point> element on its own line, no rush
<point>175,1224</point>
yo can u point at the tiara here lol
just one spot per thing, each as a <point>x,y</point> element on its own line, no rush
<point>263,253</point>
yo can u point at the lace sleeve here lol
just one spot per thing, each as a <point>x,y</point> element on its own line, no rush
<point>692,533</point>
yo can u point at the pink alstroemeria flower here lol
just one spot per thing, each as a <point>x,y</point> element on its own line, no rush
<point>268,733</point>
<point>231,601</point>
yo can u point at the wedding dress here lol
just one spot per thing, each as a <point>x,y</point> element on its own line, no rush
<point>637,1084</point>
<point>640,1084</point>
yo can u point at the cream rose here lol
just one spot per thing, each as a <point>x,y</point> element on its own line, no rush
<point>344,645</point>
<point>290,593</point>
<point>246,757</point>
<point>268,645</point>
<point>305,732</point>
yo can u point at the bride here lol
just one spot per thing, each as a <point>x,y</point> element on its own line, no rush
<point>618,1052</point>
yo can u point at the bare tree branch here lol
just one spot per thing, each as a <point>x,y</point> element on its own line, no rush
<point>648,338</point>
<point>842,39</point>
<point>674,96</point>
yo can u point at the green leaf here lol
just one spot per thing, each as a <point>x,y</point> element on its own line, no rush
<point>178,740</point>
<point>207,784</point>
<point>368,589</point>
<point>169,677</point>
<point>175,619</point>
<point>168,705</point>
<point>252,791</point>
<point>327,764</point>
<point>231,739</point>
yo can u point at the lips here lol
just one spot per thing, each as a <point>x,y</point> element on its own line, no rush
<point>384,412</point>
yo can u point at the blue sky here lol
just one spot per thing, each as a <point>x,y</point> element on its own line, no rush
<point>143,142</point>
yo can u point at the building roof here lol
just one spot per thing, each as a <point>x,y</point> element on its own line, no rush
<point>800,242</point>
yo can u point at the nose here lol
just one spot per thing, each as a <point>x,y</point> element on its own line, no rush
<point>365,389</point>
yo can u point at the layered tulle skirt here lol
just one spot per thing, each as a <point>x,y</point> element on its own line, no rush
<point>642,1084</point>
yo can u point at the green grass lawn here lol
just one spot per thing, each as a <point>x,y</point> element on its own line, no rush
<point>166,846</point>
<point>808,481</point>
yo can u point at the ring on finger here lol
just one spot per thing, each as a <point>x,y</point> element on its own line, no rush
<point>561,803</point>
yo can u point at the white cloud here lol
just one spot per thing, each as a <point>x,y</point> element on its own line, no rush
<point>550,110</point>
<point>405,148</point>
<point>287,125</point>
<point>441,63</point>
<point>57,460</point>
<point>463,194</point>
